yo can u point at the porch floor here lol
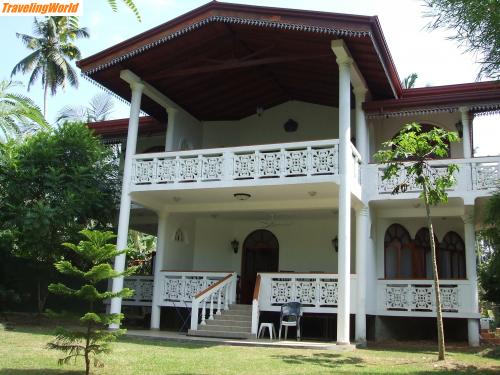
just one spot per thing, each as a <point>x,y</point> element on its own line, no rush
<point>182,337</point>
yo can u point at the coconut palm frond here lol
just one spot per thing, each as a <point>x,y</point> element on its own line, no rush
<point>99,108</point>
<point>53,50</point>
<point>17,112</point>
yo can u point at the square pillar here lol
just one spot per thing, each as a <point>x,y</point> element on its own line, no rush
<point>466,128</point>
<point>345,174</point>
<point>125,201</point>
<point>362,240</point>
<point>157,282</point>
<point>471,270</point>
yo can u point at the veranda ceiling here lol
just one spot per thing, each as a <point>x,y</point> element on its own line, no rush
<point>222,61</point>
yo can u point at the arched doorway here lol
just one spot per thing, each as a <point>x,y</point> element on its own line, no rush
<point>260,254</point>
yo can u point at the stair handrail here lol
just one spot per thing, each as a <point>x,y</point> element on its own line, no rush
<point>255,306</point>
<point>223,288</point>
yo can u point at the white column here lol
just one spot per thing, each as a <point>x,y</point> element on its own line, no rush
<point>346,170</point>
<point>161,242</point>
<point>361,128</point>
<point>124,218</point>
<point>170,138</point>
<point>470,267</point>
<point>362,234</point>
<point>466,130</point>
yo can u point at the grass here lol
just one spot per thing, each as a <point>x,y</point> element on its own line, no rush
<point>22,351</point>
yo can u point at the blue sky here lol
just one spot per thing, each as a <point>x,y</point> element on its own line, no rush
<point>438,61</point>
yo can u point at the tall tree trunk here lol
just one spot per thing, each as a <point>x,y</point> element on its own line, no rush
<point>437,292</point>
<point>42,294</point>
<point>45,94</point>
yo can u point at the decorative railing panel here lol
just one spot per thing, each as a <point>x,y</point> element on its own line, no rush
<point>474,175</point>
<point>485,174</point>
<point>281,161</point>
<point>178,288</point>
<point>316,292</point>
<point>143,287</point>
<point>416,297</point>
<point>387,186</point>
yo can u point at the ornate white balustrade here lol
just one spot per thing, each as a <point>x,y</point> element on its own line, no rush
<point>476,174</point>
<point>143,287</point>
<point>212,300</point>
<point>485,173</point>
<point>417,298</point>
<point>178,288</point>
<point>317,292</point>
<point>280,161</point>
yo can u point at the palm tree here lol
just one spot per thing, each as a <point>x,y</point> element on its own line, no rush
<point>129,3</point>
<point>53,49</point>
<point>17,112</point>
<point>99,109</point>
<point>409,82</point>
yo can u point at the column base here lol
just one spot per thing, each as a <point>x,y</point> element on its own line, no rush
<point>343,343</point>
<point>473,332</point>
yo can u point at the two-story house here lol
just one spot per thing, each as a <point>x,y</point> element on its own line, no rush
<point>256,159</point>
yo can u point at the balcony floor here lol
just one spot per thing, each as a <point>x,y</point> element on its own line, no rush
<point>291,344</point>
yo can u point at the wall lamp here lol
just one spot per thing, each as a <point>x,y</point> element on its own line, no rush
<point>335,244</point>
<point>235,245</point>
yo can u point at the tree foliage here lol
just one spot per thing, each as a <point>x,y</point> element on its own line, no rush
<point>140,251</point>
<point>489,271</point>
<point>475,24</point>
<point>129,4</point>
<point>91,338</point>
<point>408,154</point>
<point>18,113</point>
<point>99,108</point>
<point>409,81</point>
<point>52,49</point>
<point>54,184</point>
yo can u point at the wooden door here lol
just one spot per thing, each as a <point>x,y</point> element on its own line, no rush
<point>260,254</point>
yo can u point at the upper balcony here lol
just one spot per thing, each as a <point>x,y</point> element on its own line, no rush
<point>273,164</point>
<point>476,177</point>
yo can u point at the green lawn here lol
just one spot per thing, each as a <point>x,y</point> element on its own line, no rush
<point>22,351</point>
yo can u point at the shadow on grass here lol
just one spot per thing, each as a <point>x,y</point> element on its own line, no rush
<point>166,342</point>
<point>42,371</point>
<point>326,360</point>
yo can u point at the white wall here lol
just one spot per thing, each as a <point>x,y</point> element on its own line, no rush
<point>305,244</point>
<point>179,255</point>
<point>315,122</point>
<point>186,128</point>
<point>384,129</point>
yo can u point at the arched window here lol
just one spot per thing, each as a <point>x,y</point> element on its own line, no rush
<point>452,257</point>
<point>398,252</point>
<point>154,149</point>
<point>423,257</point>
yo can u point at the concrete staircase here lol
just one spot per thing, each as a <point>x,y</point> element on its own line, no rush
<point>234,323</point>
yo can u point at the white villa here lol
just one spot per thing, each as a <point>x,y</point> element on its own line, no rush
<point>254,169</point>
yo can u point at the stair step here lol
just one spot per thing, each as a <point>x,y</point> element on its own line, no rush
<point>237,312</point>
<point>240,307</point>
<point>216,327</point>
<point>233,317</point>
<point>222,334</point>
<point>229,323</point>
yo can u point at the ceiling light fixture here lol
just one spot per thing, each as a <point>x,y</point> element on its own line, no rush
<point>242,196</point>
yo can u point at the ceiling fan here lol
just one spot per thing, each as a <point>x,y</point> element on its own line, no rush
<point>273,222</point>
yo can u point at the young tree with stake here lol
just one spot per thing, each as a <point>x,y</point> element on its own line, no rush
<point>409,154</point>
